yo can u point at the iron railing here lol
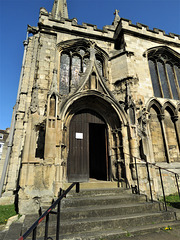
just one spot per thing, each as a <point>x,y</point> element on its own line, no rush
<point>160,169</point>
<point>136,188</point>
<point>33,229</point>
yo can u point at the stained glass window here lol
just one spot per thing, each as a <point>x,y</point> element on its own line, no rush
<point>165,75</point>
<point>177,69</point>
<point>76,69</point>
<point>73,62</point>
<point>154,77</point>
<point>64,74</point>
<point>171,80</point>
<point>85,61</point>
<point>163,79</point>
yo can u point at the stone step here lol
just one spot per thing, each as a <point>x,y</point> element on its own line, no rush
<point>107,210</point>
<point>104,214</point>
<point>90,212</point>
<point>117,234</point>
<point>96,184</point>
<point>102,200</point>
<point>111,222</point>
<point>99,192</point>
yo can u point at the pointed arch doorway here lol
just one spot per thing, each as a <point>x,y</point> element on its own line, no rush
<point>88,148</point>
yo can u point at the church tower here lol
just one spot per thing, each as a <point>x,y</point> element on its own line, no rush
<point>60,9</point>
<point>92,103</point>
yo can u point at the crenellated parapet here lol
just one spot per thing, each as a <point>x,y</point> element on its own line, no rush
<point>113,31</point>
<point>142,29</point>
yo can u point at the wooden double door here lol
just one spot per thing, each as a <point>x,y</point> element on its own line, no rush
<point>88,153</point>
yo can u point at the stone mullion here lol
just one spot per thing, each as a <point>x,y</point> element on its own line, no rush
<point>176,81</point>
<point>70,71</point>
<point>161,119</point>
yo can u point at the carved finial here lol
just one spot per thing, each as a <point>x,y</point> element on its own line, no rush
<point>116,18</point>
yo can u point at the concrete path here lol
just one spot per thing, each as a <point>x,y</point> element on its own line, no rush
<point>173,234</point>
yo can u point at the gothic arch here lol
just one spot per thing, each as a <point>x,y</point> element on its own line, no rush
<point>162,49</point>
<point>178,108</point>
<point>164,70</point>
<point>169,107</point>
<point>109,112</point>
<point>156,130</point>
<point>81,42</point>
<point>106,101</point>
<point>154,103</point>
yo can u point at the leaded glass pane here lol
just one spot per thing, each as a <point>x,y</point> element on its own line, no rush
<point>64,74</point>
<point>177,69</point>
<point>76,69</point>
<point>100,66</point>
<point>172,81</point>
<point>85,62</point>
<point>163,80</point>
<point>154,79</point>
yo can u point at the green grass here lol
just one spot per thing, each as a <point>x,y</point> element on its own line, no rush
<point>173,200</point>
<point>6,212</point>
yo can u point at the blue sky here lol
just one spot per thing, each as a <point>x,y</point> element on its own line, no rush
<point>16,14</point>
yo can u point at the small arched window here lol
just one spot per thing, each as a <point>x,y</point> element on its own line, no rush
<point>165,74</point>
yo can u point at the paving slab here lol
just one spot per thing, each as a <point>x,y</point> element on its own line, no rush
<point>173,234</point>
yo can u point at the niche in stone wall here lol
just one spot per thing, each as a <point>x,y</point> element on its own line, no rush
<point>40,142</point>
<point>156,136</point>
<point>93,81</point>
<point>52,107</point>
<point>171,137</point>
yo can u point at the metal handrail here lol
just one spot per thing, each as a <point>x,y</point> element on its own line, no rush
<point>137,188</point>
<point>160,175</point>
<point>33,228</point>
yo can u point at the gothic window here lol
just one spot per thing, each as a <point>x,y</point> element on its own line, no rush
<point>165,74</point>
<point>73,62</point>
<point>64,73</point>
<point>76,69</point>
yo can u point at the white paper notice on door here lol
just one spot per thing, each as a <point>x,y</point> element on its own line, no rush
<point>79,135</point>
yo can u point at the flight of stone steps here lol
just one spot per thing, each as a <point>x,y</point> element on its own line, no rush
<point>106,214</point>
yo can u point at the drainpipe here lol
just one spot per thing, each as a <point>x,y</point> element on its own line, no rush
<point>13,121</point>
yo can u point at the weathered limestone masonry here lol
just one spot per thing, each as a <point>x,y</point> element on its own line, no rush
<point>121,83</point>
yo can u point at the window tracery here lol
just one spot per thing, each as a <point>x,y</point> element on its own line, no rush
<point>165,74</point>
<point>73,62</point>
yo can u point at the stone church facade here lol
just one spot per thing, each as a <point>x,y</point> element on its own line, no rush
<point>92,101</point>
